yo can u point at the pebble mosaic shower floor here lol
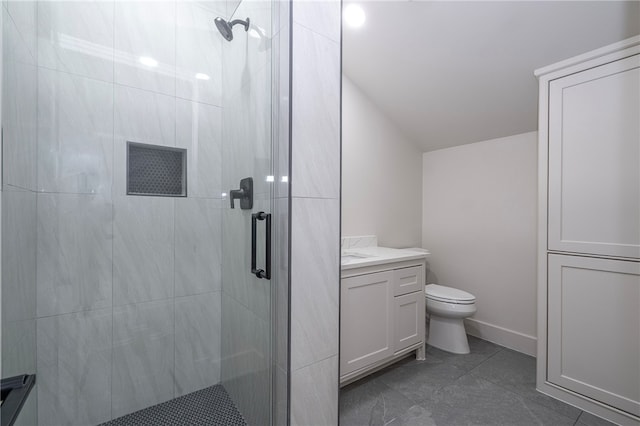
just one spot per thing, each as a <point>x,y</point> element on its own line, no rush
<point>207,407</point>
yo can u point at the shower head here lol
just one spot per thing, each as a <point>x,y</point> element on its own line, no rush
<point>225,27</point>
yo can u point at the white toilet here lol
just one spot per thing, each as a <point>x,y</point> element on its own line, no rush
<point>447,307</point>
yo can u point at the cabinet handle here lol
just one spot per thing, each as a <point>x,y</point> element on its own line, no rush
<point>261,273</point>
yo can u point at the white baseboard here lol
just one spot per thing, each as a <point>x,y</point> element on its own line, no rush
<point>502,336</point>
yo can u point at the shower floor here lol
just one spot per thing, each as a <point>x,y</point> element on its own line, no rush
<point>206,407</point>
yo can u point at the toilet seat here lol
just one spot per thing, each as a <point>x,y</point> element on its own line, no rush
<point>445,294</point>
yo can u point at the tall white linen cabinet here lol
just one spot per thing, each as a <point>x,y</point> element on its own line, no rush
<point>589,232</point>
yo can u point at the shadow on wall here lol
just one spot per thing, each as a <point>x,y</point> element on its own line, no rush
<point>432,277</point>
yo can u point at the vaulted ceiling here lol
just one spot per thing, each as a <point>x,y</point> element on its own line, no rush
<point>449,73</point>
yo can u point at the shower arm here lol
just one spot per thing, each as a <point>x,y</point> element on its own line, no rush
<point>244,23</point>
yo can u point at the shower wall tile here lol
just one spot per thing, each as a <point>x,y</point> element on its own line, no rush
<point>316,125</point>
<point>77,37</point>
<point>236,237</point>
<point>145,45</point>
<point>198,328</point>
<point>321,17</point>
<point>18,347</point>
<point>249,54</point>
<point>24,15</point>
<point>144,117</point>
<point>75,133</point>
<point>315,286</point>
<point>143,355</point>
<point>234,339</point>
<point>246,360</point>
<point>15,48</point>
<point>198,52</point>
<point>74,363</point>
<point>316,394</point>
<point>199,130</point>
<point>281,315</point>
<point>280,111</point>
<point>198,246</point>
<point>143,249</point>
<point>218,7</point>
<point>18,254</point>
<point>281,280</point>
<point>75,237</point>
<point>19,112</point>
<point>280,15</point>
<point>232,5</point>
<point>247,135</point>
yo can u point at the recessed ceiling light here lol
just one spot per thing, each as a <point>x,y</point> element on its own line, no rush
<point>202,76</point>
<point>354,15</point>
<point>146,60</point>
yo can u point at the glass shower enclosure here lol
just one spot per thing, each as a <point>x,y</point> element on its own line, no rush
<point>144,245</point>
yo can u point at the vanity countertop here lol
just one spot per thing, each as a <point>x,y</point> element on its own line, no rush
<point>369,256</point>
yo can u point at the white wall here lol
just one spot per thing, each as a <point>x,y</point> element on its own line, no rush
<point>479,222</point>
<point>381,174</point>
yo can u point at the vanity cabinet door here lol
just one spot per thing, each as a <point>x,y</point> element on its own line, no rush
<point>409,316</point>
<point>366,320</point>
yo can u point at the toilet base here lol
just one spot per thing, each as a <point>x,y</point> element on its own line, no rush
<point>448,334</point>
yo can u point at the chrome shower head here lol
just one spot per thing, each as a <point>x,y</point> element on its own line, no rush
<point>225,27</point>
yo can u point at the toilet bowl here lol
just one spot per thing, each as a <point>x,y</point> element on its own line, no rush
<point>447,308</point>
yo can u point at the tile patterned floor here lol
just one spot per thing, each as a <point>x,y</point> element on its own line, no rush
<point>207,407</point>
<point>490,386</point>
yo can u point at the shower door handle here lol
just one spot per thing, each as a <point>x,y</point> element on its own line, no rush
<point>255,217</point>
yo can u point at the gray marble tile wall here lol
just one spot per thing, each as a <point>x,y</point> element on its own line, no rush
<point>123,293</point>
<point>18,196</point>
<point>315,213</point>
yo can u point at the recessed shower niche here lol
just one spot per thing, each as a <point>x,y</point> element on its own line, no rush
<point>156,170</point>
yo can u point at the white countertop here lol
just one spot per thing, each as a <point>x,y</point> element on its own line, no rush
<point>369,256</point>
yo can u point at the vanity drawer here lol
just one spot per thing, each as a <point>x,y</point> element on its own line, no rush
<point>408,280</point>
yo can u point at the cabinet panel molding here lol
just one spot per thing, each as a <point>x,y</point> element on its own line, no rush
<point>409,316</point>
<point>366,320</point>
<point>408,280</point>
<point>594,160</point>
<point>594,328</point>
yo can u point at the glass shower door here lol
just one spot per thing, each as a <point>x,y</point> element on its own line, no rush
<point>246,371</point>
<point>121,299</point>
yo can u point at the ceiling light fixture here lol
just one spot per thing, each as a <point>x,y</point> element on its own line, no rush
<point>354,15</point>
<point>202,76</point>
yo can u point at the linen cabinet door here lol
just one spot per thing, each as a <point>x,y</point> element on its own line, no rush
<point>594,329</point>
<point>366,320</point>
<point>594,161</point>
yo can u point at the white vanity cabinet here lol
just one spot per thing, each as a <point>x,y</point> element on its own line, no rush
<point>382,316</point>
<point>589,232</point>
